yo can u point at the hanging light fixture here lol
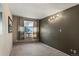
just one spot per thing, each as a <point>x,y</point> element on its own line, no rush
<point>51,19</point>
<point>54,18</point>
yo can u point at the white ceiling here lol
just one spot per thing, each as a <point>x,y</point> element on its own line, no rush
<point>38,10</point>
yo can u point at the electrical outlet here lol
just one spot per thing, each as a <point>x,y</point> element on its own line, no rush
<point>74,51</point>
<point>71,50</point>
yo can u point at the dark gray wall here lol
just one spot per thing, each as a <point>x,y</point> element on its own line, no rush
<point>69,37</point>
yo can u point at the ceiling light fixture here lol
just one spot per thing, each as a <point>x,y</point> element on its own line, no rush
<point>54,18</point>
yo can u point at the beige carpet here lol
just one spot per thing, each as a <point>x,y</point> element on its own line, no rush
<point>35,49</point>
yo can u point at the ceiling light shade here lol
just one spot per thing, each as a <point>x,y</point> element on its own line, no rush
<point>59,15</point>
<point>51,19</point>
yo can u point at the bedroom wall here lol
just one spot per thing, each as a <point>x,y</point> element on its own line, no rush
<point>62,34</point>
<point>19,21</point>
<point>5,37</point>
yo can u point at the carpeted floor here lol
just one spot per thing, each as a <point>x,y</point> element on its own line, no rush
<point>35,49</point>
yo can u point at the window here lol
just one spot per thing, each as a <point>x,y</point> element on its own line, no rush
<point>28,26</point>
